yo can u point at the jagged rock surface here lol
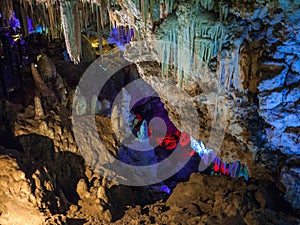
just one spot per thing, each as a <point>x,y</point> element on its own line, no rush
<point>215,200</point>
<point>256,73</point>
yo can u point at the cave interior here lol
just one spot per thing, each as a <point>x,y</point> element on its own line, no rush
<point>150,112</point>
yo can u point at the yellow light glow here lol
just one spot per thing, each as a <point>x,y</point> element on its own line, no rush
<point>16,37</point>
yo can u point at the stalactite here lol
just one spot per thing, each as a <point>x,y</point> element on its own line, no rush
<point>21,14</point>
<point>200,39</point>
<point>166,7</point>
<point>80,17</point>
<point>25,5</point>
<point>106,17</point>
<point>184,54</point>
<point>168,55</point>
<point>138,4</point>
<point>146,12</point>
<point>71,26</point>
<point>32,17</point>
<point>142,9</point>
<point>58,22</point>
<point>229,68</point>
<point>151,8</point>
<point>6,7</point>
<point>99,30</point>
<point>45,19</point>
<point>223,10</point>
<point>62,17</point>
<point>164,63</point>
<point>102,13</point>
<point>206,48</point>
<point>207,4</point>
<point>162,9</point>
<point>192,42</point>
<point>135,20</point>
<point>77,24</point>
<point>51,19</point>
<point>92,8</point>
<point>174,40</point>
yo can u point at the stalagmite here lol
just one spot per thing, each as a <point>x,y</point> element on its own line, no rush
<point>143,132</point>
<point>40,86</point>
<point>95,106</point>
<point>42,91</point>
<point>121,116</point>
<point>80,103</point>
<point>39,112</point>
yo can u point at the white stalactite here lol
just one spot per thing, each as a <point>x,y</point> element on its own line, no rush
<point>71,28</point>
<point>223,10</point>
<point>199,40</point>
<point>229,68</point>
<point>207,4</point>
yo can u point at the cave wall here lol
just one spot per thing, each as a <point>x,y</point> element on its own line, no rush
<point>254,61</point>
<point>251,51</point>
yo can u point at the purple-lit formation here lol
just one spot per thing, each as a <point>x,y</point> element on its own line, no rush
<point>121,36</point>
<point>189,146</point>
<point>15,22</point>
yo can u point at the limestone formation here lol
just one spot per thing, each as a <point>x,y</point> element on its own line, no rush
<point>222,78</point>
<point>39,112</point>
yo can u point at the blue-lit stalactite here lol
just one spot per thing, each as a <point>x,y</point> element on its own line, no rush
<point>39,28</point>
<point>15,25</point>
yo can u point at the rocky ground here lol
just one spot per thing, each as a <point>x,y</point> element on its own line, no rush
<point>33,191</point>
<point>46,182</point>
<point>205,199</point>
